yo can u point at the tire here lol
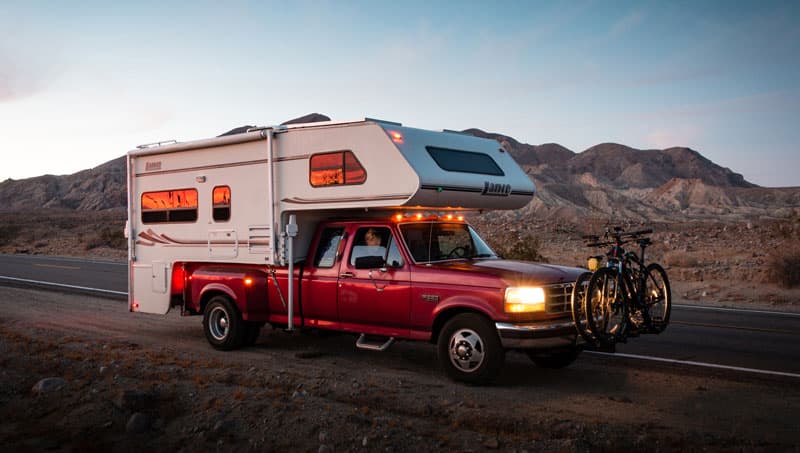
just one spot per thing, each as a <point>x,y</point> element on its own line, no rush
<point>470,350</point>
<point>658,299</point>
<point>555,359</point>
<point>223,325</point>
<point>578,303</point>
<point>606,310</point>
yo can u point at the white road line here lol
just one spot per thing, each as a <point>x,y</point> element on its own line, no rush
<point>700,364</point>
<point>737,310</point>
<point>61,285</point>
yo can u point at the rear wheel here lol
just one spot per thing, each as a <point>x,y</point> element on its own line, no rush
<point>470,350</point>
<point>657,298</point>
<point>223,324</point>
<point>554,359</point>
<point>606,310</point>
<point>579,307</point>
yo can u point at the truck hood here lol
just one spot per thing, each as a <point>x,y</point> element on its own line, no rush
<point>514,273</point>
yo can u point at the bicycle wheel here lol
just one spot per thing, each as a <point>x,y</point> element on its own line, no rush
<point>657,298</point>
<point>606,309</point>
<point>637,313</point>
<point>579,307</point>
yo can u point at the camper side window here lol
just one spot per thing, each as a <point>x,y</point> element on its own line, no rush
<point>169,206</point>
<point>221,209</point>
<point>335,169</point>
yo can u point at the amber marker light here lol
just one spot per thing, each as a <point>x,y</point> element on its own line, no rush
<point>418,216</point>
<point>398,217</point>
<point>248,281</point>
<point>397,137</point>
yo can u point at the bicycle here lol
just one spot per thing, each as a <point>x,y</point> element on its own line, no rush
<point>625,297</point>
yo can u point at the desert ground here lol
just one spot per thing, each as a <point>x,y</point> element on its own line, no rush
<point>79,373</point>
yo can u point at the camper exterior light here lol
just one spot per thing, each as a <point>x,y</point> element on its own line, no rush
<point>524,299</point>
<point>397,137</point>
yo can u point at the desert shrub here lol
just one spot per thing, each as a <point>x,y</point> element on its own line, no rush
<point>784,268</point>
<point>8,233</point>
<point>680,259</point>
<point>523,247</point>
<point>107,237</point>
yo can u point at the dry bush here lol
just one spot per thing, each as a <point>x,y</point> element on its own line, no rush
<point>523,247</point>
<point>784,267</point>
<point>8,233</point>
<point>680,259</point>
<point>107,237</point>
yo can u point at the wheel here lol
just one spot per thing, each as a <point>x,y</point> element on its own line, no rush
<point>252,331</point>
<point>657,299</point>
<point>470,350</point>
<point>578,302</point>
<point>223,325</point>
<point>606,310</point>
<point>458,252</point>
<point>554,359</point>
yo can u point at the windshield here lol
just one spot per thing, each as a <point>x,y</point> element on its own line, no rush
<point>432,241</point>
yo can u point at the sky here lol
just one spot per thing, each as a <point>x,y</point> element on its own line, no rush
<point>83,82</point>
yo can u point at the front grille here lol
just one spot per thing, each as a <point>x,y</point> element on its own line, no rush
<point>559,298</point>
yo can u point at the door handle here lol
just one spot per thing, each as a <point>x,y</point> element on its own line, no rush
<point>346,275</point>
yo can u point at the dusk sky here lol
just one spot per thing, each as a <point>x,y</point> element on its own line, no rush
<point>83,82</point>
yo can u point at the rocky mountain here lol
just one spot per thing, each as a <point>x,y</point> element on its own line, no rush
<point>605,180</point>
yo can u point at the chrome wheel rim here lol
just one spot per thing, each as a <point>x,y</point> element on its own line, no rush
<point>218,323</point>
<point>467,350</point>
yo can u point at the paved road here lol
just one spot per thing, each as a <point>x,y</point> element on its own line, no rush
<point>735,338</point>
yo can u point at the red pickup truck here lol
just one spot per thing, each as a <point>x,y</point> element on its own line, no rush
<point>412,278</point>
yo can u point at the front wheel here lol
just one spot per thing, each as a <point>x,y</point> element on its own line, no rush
<point>606,310</point>
<point>470,350</point>
<point>657,298</point>
<point>223,325</point>
<point>578,302</point>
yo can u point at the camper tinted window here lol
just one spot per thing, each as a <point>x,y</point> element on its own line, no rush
<point>169,206</point>
<point>222,203</point>
<point>464,161</point>
<point>332,169</point>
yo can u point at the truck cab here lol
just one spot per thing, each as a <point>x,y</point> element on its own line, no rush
<point>407,277</point>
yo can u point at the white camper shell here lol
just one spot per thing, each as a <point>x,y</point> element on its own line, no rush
<point>256,197</point>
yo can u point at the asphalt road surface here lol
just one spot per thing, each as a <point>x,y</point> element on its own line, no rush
<point>757,341</point>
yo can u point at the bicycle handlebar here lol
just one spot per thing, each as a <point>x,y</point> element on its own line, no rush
<point>617,237</point>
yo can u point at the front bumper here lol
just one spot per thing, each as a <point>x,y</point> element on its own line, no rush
<point>539,335</point>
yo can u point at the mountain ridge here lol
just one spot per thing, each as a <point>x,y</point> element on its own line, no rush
<point>605,180</point>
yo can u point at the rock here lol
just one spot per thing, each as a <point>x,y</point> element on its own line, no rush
<point>133,400</point>
<point>48,385</point>
<point>138,423</point>
<point>492,444</point>
<point>323,437</point>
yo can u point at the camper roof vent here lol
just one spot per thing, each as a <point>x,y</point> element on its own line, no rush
<point>393,123</point>
<point>157,144</point>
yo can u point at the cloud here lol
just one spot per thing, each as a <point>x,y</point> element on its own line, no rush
<point>19,77</point>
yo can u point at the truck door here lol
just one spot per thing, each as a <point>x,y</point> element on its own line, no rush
<point>374,290</point>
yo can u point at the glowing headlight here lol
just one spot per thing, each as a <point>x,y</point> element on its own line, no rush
<point>524,299</point>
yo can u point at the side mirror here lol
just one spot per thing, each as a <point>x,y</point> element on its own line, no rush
<point>369,262</point>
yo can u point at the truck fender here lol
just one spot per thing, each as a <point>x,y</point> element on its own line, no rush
<point>214,288</point>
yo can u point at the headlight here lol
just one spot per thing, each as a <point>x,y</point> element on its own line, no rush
<point>524,299</point>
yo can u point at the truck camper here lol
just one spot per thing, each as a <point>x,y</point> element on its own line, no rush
<point>352,226</point>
